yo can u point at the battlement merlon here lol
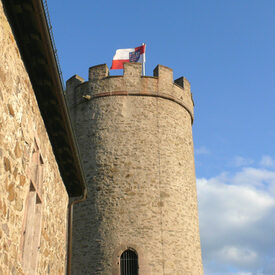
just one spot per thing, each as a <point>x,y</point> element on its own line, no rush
<point>183,82</point>
<point>132,83</point>
<point>74,81</point>
<point>98,72</point>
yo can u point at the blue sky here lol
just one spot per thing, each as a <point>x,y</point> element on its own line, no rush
<point>226,50</point>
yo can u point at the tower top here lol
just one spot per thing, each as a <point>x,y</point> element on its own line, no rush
<point>161,84</point>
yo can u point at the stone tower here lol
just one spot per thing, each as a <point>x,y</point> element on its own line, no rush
<point>135,138</point>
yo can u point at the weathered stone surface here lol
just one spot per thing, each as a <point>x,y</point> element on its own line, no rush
<point>135,138</point>
<point>11,110</point>
<point>18,204</point>
<point>7,164</point>
<point>11,192</point>
<point>17,150</point>
<point>5,229</point>
<point>20,125</point>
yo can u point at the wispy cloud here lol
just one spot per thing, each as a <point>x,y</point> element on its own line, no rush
<point>241,161</point>
<point>202,151</point>
<point>267,161</point>
<point>237,222</point>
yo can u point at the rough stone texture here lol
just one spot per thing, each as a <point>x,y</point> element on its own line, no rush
<point>135,138</point>
<point>20,124</point>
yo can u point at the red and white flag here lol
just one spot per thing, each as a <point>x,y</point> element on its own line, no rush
<point>128,55</point>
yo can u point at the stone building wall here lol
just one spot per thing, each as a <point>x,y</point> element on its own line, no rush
<point>135,138</point>
<point>33,198</point>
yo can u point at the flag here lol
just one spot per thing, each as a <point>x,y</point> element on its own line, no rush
<point>128,55</point>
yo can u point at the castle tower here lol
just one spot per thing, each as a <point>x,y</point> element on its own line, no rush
<point>135,138</point>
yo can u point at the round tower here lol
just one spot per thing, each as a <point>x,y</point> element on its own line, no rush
<point>135,138</point>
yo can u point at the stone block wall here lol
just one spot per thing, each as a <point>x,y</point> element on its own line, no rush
<point>135,139</point>
<point>32,194</point>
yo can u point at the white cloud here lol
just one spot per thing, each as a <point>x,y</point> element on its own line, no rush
<point>239,255</point>
<point>261,179</point>
<point>237,222</point>
<point>241,161</point>
<point>267,161</point>
<point>202,151</point>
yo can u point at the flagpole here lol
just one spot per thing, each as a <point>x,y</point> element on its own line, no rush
<point>143,61</point>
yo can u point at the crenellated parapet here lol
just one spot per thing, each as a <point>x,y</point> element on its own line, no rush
<point>131,83</point>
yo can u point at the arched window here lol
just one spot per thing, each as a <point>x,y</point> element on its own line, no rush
<point>129,263</point>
